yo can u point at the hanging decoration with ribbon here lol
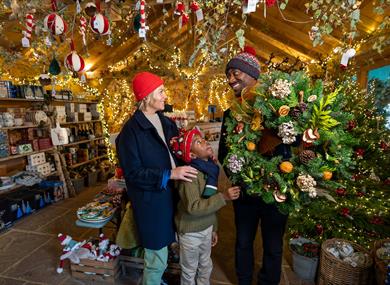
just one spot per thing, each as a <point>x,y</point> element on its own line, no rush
<point>30,25</point>
<point>142,30</point>
<point>73,61</point>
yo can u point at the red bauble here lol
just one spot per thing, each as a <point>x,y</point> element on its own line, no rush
<point>384,146</point>
<point>345,212</point>
<point>351,125</point>
<point>360,152</point>
<point>270,3</point>
<point>341,192</point>
<point>319,229</point>
<point>387,181</point>
<point>376,220</point>
<point>360,194</point>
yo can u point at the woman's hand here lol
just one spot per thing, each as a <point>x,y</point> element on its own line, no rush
<point>214,239</point>
<point>184,173</point>
<point>232,193</point>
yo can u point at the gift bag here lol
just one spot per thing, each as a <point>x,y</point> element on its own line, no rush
<point>127,236</point>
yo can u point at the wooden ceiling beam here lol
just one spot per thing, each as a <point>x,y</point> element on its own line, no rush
<point>280,46</point>
<point>289,32</point>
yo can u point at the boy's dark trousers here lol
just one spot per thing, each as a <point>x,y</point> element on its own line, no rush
<point>249,211</point>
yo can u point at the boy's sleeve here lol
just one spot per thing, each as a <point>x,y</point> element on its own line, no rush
<point>195,205</point>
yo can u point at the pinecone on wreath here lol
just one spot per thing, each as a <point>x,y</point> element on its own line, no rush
<point>306,155</point>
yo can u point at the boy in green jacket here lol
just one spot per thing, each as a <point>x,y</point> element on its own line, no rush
<point>196,219</point>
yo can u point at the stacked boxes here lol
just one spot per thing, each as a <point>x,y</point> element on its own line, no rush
<point>61,114</point>
<point>37,163</point>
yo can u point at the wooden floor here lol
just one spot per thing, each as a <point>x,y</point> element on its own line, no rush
<point>29,250</point>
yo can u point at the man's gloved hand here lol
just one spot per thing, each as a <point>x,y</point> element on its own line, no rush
<point>212,171</point>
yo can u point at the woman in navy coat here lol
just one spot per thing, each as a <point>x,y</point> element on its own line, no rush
<point>149,168</point>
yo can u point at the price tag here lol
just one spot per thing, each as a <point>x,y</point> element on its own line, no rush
<point>142,33</point>
<point>199,15</point>
<point>250,7</point>
<point>25,42</point>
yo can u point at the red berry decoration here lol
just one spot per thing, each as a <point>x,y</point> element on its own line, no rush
<point>319,229</point>
<point>360,152</point>
<point>384,146</point>
<point>360,194</point>
<point>351,125</point>
<point>376,220</point>
<point>345,212</point>
<point>341,192</point>
<point>239,128</point>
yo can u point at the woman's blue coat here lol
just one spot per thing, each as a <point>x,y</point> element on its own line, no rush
<point>144,157</point>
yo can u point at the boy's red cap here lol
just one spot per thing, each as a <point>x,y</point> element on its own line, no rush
<point>181,145</point>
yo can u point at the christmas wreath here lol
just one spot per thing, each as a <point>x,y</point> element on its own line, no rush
<point>287,140</point>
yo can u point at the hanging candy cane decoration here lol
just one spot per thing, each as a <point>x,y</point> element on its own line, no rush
<point>142,30</point>
<point>83,28</point>
<point>30,25</point>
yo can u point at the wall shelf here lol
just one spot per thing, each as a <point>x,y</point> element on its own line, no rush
<point>82,122</point>
<point>83,141</point>
<point>24,154</point>
<point>74,101</point>
<point>18,127</point>
<point>88,161</point>
<point>21,100</point>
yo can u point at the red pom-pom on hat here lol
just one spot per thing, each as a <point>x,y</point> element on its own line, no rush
<point>250,50</point>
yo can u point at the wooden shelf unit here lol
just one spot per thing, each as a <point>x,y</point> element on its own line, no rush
<point>24,154</point>
<point>83,141</point>
<point>88,161</point>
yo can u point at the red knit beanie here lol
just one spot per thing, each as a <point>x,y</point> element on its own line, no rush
<point>181,145</point>
<point>145,83</point>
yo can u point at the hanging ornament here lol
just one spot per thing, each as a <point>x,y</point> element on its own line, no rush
<point>73,61</point>
<point>30,25</point>
<point>346,57</point>
<point>15,10</point>
<point>142,30</point>
<point>78,7</point>
<point>100,23</point>
<point>90,9</point>
<point>270,3</point>
<point>44,79</point>
<point>179,10</point>
<point>137,22</point>
<point>183,20</point>
<point>83,27</point>
<point>54,67</point>
<point>194,6</point>
<point>55,24</point>
<point>249,6</point>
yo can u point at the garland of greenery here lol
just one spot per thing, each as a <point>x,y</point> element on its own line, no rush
<point>292,110</point>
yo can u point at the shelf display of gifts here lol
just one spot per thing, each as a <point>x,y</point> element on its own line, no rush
<point>345,252</point>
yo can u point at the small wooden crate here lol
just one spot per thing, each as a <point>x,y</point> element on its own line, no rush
<point>94,270</point>
<point>138,263</point>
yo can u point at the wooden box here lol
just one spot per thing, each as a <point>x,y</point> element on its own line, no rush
<point>138,263</point>
<point>94,270</point>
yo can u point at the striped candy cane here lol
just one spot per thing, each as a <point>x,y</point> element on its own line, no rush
<point>83,27</point>
<point>142,30</point>
<point>29,25</point>
<point>27,33</point>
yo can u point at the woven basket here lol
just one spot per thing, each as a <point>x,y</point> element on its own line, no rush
<point>379,264</point>
<point>334,271</point>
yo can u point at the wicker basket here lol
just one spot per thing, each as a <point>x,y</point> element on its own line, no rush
<point>334,271</point>
<point>379,264</point>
